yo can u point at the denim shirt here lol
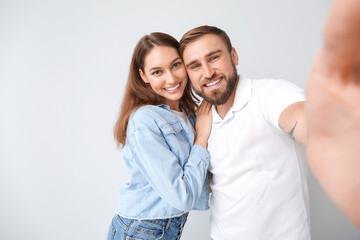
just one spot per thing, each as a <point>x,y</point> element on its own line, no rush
<point>167,172</point>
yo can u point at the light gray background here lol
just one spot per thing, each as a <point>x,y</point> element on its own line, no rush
<point>63,68</point>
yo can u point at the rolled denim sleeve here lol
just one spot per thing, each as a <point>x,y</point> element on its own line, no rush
<point>180,186</point>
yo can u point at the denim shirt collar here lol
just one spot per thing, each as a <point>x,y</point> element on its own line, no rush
<point>164,106</point>
<point>182,106</point>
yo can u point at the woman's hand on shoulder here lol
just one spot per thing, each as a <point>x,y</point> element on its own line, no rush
<point>203,124</point>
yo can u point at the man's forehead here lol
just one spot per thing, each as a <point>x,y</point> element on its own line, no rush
<point>203,46</point>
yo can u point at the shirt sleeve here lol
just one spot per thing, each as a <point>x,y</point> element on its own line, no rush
<point>180,186</point>
<point>275,95</point>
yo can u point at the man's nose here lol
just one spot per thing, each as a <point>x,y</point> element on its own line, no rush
<point>208,71</point>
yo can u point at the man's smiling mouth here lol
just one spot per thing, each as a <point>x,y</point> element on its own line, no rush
<point>213,83</point>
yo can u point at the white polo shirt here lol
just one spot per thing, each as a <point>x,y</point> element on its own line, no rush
<point>259,182</point>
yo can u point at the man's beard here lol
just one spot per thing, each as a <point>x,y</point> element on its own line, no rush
<point>218,98</point>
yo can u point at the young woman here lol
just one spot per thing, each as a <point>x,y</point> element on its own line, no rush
<point>167,164</point>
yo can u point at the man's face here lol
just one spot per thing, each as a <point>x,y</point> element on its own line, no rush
<point>211,68</point>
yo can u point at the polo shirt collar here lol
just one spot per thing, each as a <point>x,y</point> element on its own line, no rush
<point>242,96</point>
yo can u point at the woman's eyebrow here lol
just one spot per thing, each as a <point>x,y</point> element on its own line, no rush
<point>175,59</point>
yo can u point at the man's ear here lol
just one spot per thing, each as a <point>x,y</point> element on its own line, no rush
<point>143,76</point>
<point>234,56</point>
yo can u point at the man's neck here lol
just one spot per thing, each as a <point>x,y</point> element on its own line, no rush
<point>223,109</point>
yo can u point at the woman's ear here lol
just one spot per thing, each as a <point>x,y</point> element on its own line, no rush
<point>143,76</point>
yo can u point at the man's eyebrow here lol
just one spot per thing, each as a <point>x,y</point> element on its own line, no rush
<point>175,59</point>
<point>190,63</point>
<point>213,52</point>
<point>207,55</point>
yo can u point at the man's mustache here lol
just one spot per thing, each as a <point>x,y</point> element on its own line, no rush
<point>207,80</point>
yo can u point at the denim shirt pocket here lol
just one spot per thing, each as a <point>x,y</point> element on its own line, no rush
<point>174,128</point>
<point>177,141</point>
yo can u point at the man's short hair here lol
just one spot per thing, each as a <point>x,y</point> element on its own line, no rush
<point>198,32</point>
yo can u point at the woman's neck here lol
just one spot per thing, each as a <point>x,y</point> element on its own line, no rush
<point>174,105</point>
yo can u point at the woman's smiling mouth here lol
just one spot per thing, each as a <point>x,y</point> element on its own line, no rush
<point>173,88</point>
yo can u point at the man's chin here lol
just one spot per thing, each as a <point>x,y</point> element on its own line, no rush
<point>221,96</point>
<point>214,100</point>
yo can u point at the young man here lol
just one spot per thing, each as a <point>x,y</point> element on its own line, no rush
<point>259,182</point>
<point>333,111</point>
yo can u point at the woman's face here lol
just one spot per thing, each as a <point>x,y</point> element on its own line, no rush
<point>166,74</point>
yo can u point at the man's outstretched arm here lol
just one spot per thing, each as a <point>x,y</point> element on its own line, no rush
<point>333,109</point>
<point>292,122</point>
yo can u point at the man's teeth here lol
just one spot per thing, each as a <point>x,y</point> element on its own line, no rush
<point>212,83</point>
<point>173,88</point>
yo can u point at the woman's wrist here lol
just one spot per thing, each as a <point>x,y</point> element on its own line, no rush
<point>201,141</point>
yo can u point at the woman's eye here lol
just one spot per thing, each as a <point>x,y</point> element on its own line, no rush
<point>156,72</point>
<point>176,64</point>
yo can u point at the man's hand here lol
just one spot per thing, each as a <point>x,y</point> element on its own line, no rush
<point>333,109</point>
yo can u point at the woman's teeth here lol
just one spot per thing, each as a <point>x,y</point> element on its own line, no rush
<point>212,83</point>
<point>173,88</point>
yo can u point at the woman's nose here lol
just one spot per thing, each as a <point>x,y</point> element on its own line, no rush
<point>171,78</point>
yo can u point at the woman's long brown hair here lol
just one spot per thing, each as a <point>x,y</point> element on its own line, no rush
<point>138,93</point>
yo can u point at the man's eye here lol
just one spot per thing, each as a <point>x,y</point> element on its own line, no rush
<point>213,58</point>
<point>195,66</point>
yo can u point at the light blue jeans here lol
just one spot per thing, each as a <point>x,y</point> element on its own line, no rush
<point>131,229</point>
